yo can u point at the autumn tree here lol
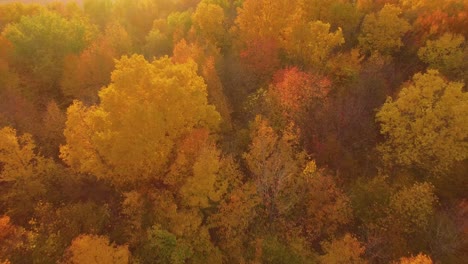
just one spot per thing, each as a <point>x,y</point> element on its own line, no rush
<point>345,250</point>
<point>85,74</point>
<point>260,45</point>
<point>209,21</point>
<point>165,126</point>
<point>56,227</point>
<point>446,54</point>
<point>166,33</point>
<point>434,19</point>
<point>370,199</point>
<point>41,42</point>
<point>67,10</point>
<point>236,213</point>
<point>414,206</point>
<point>13,12</point>
<point>8,78</point>
<point>96,249</point>
<point>12,239</point>
<point>344,68</point>
<point>51,138</point>
<point>272,158</point>
<point>261,56</point>
<point>313,204</point>
<point>419,259</point>
<point>145,109</point>
<point>15,108</point>
<point>296,92</point>
<point>99,11</point>
<point>216,95</point>
<point>272,19</point>
<point>382,31</point>
<point>137,16</point>
<point>294,192</point>
<point>432,136</point>
<point>206,62</point>
<point>21,173</point>
<point>163,247</point>
<point>300,97</point>
<point>339,14</point>
<point>310,44</point>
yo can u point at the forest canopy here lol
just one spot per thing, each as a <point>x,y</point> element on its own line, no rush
<point>233,131</point>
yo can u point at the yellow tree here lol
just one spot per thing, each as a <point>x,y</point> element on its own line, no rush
<point>272,19</point>
<point>260,45</point>
<point>14,11</point>
<point>419,259</point>
<point>147,107</point>
<point>22,170</point>
<point>312,204</point>
<point>184,52</point>
<point>272,159</point>
<point>236,213</point>
<point>12,239</point>
<point>95,250</point>
<point>311,43</point>
<point>447,54</point>
<point>426,127</point>
<point>413,206</point>
<point>382,31</point>
<point>18,156</point>
<point>151,134</point>
<point>347,250</point>
<point>208,21</point>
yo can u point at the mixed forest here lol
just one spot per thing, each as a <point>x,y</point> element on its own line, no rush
<point>234,131</point>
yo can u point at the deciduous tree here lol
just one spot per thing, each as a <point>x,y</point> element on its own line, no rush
<point>345,250</point>
<point>382,31</point>
<point>40,44</point>
<point>447,54</point>
<point>431,136</point>
<point>143,112</point>
<point>96,250</point>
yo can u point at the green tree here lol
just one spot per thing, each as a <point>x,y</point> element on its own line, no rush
<point>164,247</point>
<point>41,43</point>
<point>426,127</point>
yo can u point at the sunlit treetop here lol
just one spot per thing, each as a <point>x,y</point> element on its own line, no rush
<point>382,31</point>
<point>147,107</point>
<point>426,127</point>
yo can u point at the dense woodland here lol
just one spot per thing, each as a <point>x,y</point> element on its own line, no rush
<point>234,131</point>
